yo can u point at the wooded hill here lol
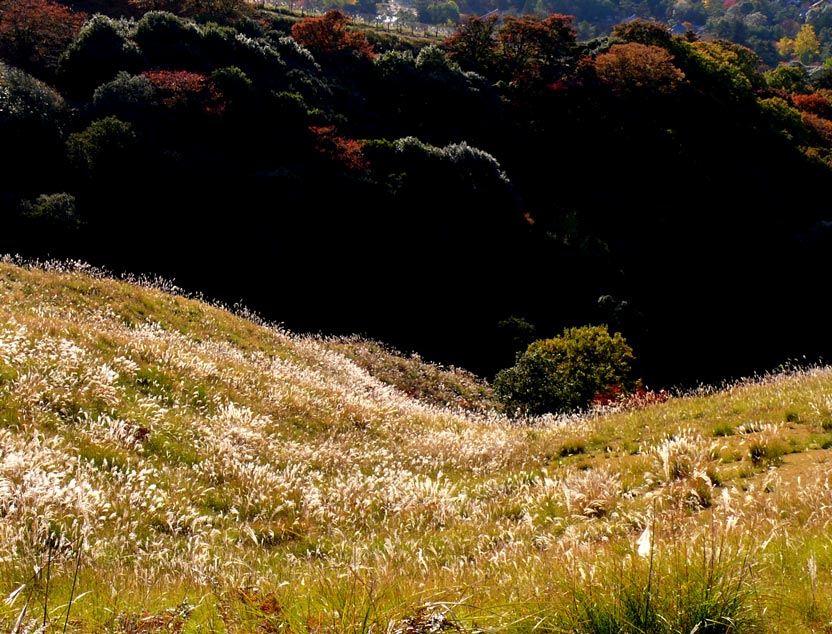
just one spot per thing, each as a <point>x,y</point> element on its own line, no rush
<point>456,197</point>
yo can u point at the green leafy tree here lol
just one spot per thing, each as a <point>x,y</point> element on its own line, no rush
<point>102,48</point>
<point>235,87</point>
<point>221,11</point>
<point>52,212</point>
<point>473,44</point>
<point>785,117</point>
<point>642,31</point>
<point>47,226</point>
<point>128,97</point>
<point>788,77</point>
<point>33,119</point>
<point>433,12</point>
<point>434,62</point>
<point>166,39</point>
<point>740,66</point>
<point>564,373</point>
<point>103,148</point>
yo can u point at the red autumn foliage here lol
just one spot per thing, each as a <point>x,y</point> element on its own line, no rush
<point>820,126</point>
<point>330,34</point>
<point>339,148</point>
<point>814,103</point>
<point>529,45</point>
<point>558,86</point>
<point>617,396</point>
<point>184,89</point>
<point>33,33</point>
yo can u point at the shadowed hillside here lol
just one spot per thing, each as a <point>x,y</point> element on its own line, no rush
<point>424,191</point>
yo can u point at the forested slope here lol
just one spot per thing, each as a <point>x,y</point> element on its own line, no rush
<point>444,196</point>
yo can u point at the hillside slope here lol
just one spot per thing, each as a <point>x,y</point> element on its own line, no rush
<point>427,192</point>
<point>167,464</point>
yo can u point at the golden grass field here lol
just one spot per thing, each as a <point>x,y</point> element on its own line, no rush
<point>170,465</point>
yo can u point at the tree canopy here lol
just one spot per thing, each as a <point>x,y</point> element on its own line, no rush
<point>512,170</point>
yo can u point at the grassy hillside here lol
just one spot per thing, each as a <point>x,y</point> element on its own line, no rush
<point>170,465</point>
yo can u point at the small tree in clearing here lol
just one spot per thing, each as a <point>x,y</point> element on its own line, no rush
<point>564,374</point>
<point>330,34</point>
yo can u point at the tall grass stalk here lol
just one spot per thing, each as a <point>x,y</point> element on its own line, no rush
<point>78,549</point>
<point>50,547</point>
<point>687,583</point>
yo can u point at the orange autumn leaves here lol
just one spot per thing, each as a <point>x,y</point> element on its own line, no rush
<point>632,67</point>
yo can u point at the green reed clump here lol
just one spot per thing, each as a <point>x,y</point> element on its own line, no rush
<point>667,584</point>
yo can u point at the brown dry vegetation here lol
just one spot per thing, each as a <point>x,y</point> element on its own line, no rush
<point>167,464</point>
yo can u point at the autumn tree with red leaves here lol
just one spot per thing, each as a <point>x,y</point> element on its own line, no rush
<point>473,44</point>
<point>817,103</point>
<point>33,33</point>
<point>534,48</point>
<point>330,33</point>
<point>183,89</point>
<point>346,151</point>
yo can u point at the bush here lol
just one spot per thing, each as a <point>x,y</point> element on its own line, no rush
<point>33,117</point>
<point>27,104</point>
<point>102,49</point>
<point>563,374</point>
<point>52,210</point>
<point>169,41</point>
<point>127,97</point>
<point>104,149</point>
<point>46,227</point>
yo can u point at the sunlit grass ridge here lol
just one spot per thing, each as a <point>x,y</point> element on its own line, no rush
<point>171,464</point>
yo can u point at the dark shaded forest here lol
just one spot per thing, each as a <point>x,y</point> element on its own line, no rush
<point>455,197</point>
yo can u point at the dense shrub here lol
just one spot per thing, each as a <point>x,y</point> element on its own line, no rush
<point>103,149</point>
<point>788,77</point>
<point>26,100</point>
<point>259,59</point>
<point>52,211</point>
<point>433,61</point>
<point>168,40</point>
<point>393,64</point>
<point>563,374</point>
<point>102,49</point>
<point>127,97</point>
<point>643,31</point>
<point>33,116</point>
<point>289,49</point>
<point>785,117</point>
